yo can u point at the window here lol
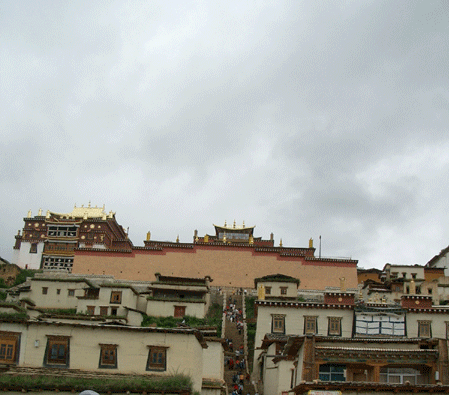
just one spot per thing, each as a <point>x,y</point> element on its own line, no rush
<point>58,292</point>
<point>108,356</point>
<point>180,311</point>
<point>332,372</point>
<point>398,375</point>
<point>57,352</point>
<point>103,310</point>
<point>113,310</point>
<point>283,290</point>
<point>429,291</point>
<point>278,324</point>
<point>33,248</point>
<point>424,329</point>
<point>334,326</point>
<point>44,290</point>
<point>116,297</point>
<point>267,290</point>
<point>90,310</point>
<point>157,358</point>
<point>71,292</point>
<point>414,276</point>
<point>310,327</point>
<point>8,347</point>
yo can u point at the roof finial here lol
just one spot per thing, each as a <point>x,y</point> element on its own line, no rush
<point>89,204</point>
<point>243,223</point>
<point>234,224</point>
<point>39,213</point>
<point>280,243</point>
<point>29,213</point>
<point>225,224</point>
<point>177,239</point>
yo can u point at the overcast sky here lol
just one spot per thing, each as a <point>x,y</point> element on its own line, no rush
<point>304,118</point>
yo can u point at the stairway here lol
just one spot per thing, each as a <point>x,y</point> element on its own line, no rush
<point>237,352</point>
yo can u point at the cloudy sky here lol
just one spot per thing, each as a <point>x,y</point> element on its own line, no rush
<point>304,118</point>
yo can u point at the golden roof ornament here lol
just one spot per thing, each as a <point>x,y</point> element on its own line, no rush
<point>225,225</point>
<point>224,238</point>
<point>39,213</point>
<point>251,240</point>
<point>280,243</point>
<point>47,214</point>
<point>206,239</point>
<point>234,224</point>
<point>243,223</point>
<point>310,243</point>
<point>177,239</point>
<point>29,213</point>
<point>148,236</point>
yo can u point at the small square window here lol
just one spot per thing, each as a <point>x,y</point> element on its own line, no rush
<point>278,324</point>
<point>157,358</point>
<point>180,311</point>
<point>103,310</point>
<point>9,342</point>
<point>283,290</point>
<point>33,248</point>
<point>71,292</point>
<point>113,310</point>
<point>267,290</point>
<point>310,326</point>
<point>116,297</point>
<point>44,290</point>
<point>57,352</point>
<point>58,292</point>
<point>108,356</point>
<point>90,310</point>
<point>424,329</point>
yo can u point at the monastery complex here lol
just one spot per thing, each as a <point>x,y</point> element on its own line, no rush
<point>90,241</point>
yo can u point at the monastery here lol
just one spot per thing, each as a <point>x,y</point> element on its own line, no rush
<point>90,241</point>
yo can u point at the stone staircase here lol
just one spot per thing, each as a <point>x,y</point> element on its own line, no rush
<point>238,342</point>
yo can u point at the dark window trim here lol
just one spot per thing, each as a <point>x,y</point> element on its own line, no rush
<point>53,340</point>
<point>104,349</point>
<point>156,367</point>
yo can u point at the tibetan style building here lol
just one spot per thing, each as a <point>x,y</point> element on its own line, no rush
<point>49,241</point>
<point>232,255</point>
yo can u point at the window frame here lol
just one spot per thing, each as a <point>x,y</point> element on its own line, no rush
<point>267,290</point>
<point>116,297</point>
<point>283,290</point>
<point>44,290</point>
<point>425,329</point>
<point>33,248</point>
<point>58,361</point>
<point>157,351</point>
<point>90,310</point>
<point>104,309</point>
<point>308,319</point>
<point>70,293</point>
<point>9,341</point>
<point>278,323</point>
<point>179,311</point>
<point>108,356</point>
<point>334,331</point>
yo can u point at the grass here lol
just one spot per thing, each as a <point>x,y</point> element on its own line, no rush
<point>175,383</point>
<point>213,318</point>
<point>250,327</point>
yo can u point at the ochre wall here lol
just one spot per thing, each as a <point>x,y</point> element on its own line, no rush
<point>228,266</point>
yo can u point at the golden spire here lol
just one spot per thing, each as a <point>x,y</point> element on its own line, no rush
<point>206,238</point>
<point>225,224</point>
<point>39,212</point>
<point>177,239</point>
<point>148,236</point>
<point>310,243</point>
<point>29,213</point>
<point>280,243</point>
<point>234,224</point>
<point>243,223</point>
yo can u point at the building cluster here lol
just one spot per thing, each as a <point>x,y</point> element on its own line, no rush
<point>323,326</point>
